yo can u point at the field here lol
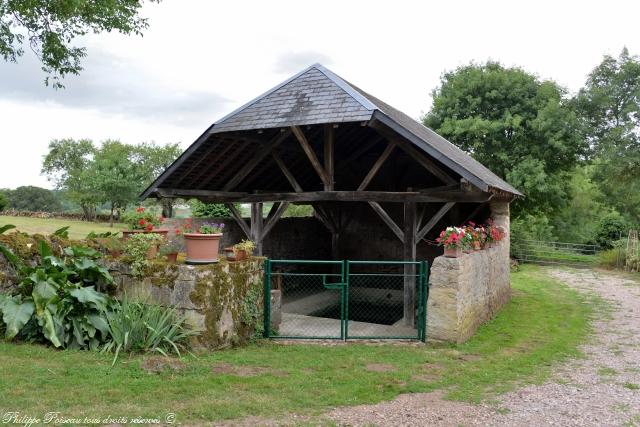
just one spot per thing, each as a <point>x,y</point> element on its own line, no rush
<point>77,229</point>
<point>543,324</point>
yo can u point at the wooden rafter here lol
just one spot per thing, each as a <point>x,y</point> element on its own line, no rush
<point>257,158</point>
<point>286,172</point>
<point>387,220</point>
<point>376,166</point>
<point>434,220</point>
<point>311,155</point>
<point>325,218</point>
<point>205,171</point>
<point>238,217</point>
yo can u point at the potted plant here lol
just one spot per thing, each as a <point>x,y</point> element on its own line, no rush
<point>140,248</point>
<point>113,245</point>
<point>243,249</point>
<point>142,221</point>
<point>453,240</point>
<point>202,243</point>
<point>170,251</point>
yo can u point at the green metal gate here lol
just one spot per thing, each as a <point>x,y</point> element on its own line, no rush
<point>346,299</point>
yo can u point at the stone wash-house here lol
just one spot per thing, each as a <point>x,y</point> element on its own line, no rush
<point>381,186</point>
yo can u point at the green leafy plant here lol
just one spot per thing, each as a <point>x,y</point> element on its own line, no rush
<point>139,327</point>
<point>58,303</point>
<point>7,252</point>
<point>209,210</point>
<point>142,219</point>
<point>245,245</point>
<point>137,248</point>
<point>170,248</point>
<point>62,232</point>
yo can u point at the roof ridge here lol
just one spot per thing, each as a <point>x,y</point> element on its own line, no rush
<point>347,87</point>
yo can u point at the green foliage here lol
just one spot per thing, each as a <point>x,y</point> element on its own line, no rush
<point>50,29</point>
<point>141,219</point>
<point>532,227</point>
<point>57,301</point>
<point>137,247</point>
<point>245,245</point>
<point>518,126</point>
<point>30,198</point>
<point>3,201</point>
<point>298,211</point>
<point>251,311</point>
<point>209,210</point>
<point>62,232</point>
<point>139,327</point>
<point>613,258</point>
<point>609,109</point>
<point>610,228</point>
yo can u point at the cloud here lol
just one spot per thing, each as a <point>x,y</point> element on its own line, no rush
<point>292,62</point>
<point>112,86</point>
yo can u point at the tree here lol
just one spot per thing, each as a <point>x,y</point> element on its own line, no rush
<point>609,111</point>
<point>65,165</point>
<point>34,199</point>
<point>518,126</point>
<point>209,210</point>
<point>153,160</point>
<point>3,202</point>
<point>114,176</point>
<point>50,28</point>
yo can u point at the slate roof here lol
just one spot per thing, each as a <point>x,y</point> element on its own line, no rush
<point>316,95</point>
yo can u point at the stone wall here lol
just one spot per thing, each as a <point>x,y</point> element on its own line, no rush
<point>467,291</point>
<point>223,300</point>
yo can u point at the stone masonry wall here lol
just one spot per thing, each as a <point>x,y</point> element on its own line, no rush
<point>224,300</point>
<point>467,291</point>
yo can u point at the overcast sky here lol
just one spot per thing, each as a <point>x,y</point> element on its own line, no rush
<point>201,59</point>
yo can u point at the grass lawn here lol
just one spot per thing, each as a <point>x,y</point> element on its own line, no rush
<point>543,324</point>
<point>77,230</point>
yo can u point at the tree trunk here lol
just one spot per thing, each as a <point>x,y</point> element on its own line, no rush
<point>167,207</point>
<point>111,216</point>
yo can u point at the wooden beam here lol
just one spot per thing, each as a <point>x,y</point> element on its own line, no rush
<point>376,166</point>
<point>387,220</point>
<point>273,217</point>
<point>324,196</point>
<point>206,171</point>
<point>257,223</point>
<point>409,254</point>
<point>434,220</point>
<point>311,155</point>
<point>238,217</point>
<point>328,155</point>
<point>410,149</point>
<point>324,218</point>
<point>348,162</point>
<point>257,158</point>
<point>287,173</point>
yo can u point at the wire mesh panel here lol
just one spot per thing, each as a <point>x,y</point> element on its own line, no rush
<point>377,298</point>
<point>312,295</point>
<point>347,299</point>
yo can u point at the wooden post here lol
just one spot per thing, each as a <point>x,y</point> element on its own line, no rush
<point>409,254</point>
<point>328,156</point>
<point>256,226</point>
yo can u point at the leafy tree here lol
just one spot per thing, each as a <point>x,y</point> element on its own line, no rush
<point>50,28</point>
<point>609,110</point>
<point>114,176</point>
<point>65,164</point>
<point>31,198</point>
<point>153,160</point>
<point>3,202</point>
<point>610,228</point>
<point>518,126</point>
<point>209,210</point>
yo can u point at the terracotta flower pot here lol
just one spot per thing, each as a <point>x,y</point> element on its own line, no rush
<point>229,254</point>
<point>452,252</point>
<point>152,253</point>
<point>172,258</point>
<point>202,248</point>
<point>162,231</point>
<point>476,246</point>
<point>241,255</point>
<point>115,253</point>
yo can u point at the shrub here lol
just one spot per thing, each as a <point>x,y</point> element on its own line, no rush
<point>209,210</point>
<point>140,327</point>
<point>612,258</point>
<point>137,247</point>
<point>610,228</point>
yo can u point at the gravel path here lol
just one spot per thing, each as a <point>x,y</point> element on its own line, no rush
<point>599,390</point>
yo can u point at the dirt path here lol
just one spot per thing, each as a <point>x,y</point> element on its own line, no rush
<point>599,390</point>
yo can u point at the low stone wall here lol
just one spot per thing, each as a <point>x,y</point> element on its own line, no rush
<point>467,291</point>
<point>223,300</point>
